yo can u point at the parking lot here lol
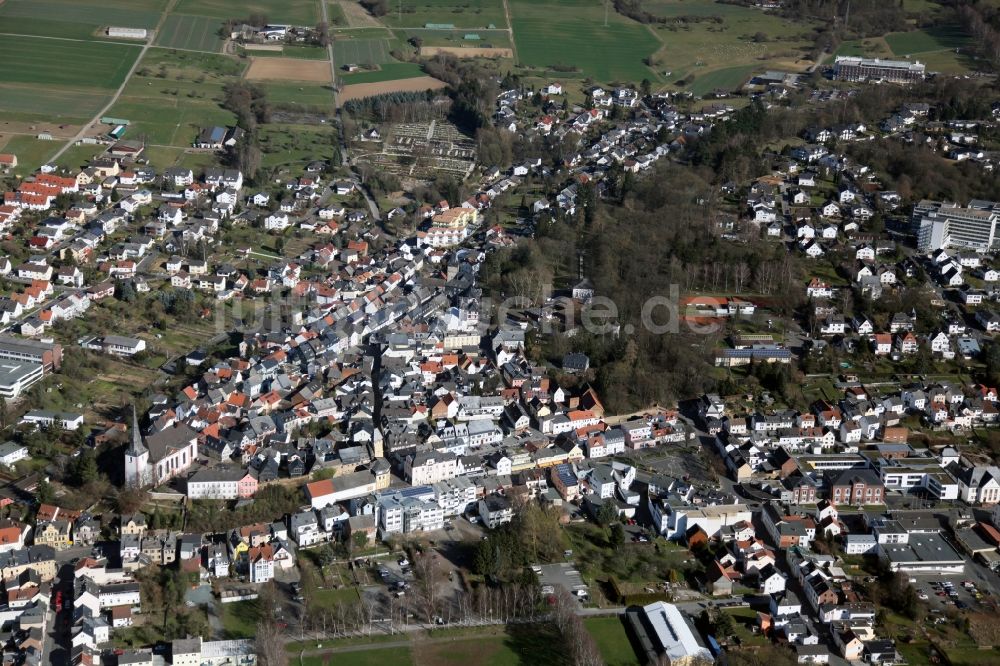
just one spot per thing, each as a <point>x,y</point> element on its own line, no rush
<point>959,591</point>
<point>562,575</point>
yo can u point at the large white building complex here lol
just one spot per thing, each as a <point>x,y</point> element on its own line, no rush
<point>853,68</point>
<point>942,225</point>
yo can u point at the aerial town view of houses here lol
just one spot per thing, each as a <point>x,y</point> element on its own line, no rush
<point>500,332</point>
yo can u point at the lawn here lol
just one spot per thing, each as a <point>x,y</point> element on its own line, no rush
<point>459,13</point>
<point>194,33</point>
<point>388,72</point>
<point>938,38</point>
<point>239,619</point>
<point>31,153</point>
<point>328,597</point>
<point>482,651</point>
<point>612,639</point>
<point>399,656</point>
<point>77,156</point>
<point>42,62</point>
<point>295,144</point>
<point>296,12</point>
<point>579,42</point>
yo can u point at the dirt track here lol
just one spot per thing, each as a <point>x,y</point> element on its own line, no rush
<point>288,69</point>
<point>470,52</point>
<point>360,90</point>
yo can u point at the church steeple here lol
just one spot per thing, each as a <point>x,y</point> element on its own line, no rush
<point>136,447</point>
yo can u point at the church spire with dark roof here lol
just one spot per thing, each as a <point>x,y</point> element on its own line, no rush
<point>136,446</point>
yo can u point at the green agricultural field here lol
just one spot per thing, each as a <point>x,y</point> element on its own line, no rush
<point>194,33</point>
<point>190,65</point>
<point>43,62</point>
<point>726,79</point>
<point>938,38</point>
<point>294,12</point>
<point>95,14</point>
<point>298,94</point>
<point>59,105</point>
<point>21,25</point>
<point>459,13</point>
<point>31,153</point>
<point>169,121</point>
<point>612,640</point>
<point>727,37</point>
<point>579,40</point>
<point>487,38</point>
<point>387,72</point>
<point>361,51</point>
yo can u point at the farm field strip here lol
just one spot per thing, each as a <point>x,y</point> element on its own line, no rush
<point>34,60</point>
<point>84,13</point>
<point>361,51</point>
<point>192,33</point>
<point>294,12</point>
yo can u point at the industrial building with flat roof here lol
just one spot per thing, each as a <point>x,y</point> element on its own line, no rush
<point>667,636</point>
<point>923,553</point>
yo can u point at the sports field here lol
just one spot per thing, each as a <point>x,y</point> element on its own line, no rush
<point>194,33</point>
<point>459,13</point>
<point>361,51</point>
<point>44,62</point>
<point>579,42</point>
<point>294,12</point>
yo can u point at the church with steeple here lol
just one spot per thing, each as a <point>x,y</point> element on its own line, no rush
<point>160,457</point>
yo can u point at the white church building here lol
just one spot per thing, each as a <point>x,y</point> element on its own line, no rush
<point>156,459</point>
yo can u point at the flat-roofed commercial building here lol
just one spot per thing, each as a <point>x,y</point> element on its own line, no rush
<point>942,225</point>
<point>853,68</point>
<point>18,376</point>
<point>47,353</point>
